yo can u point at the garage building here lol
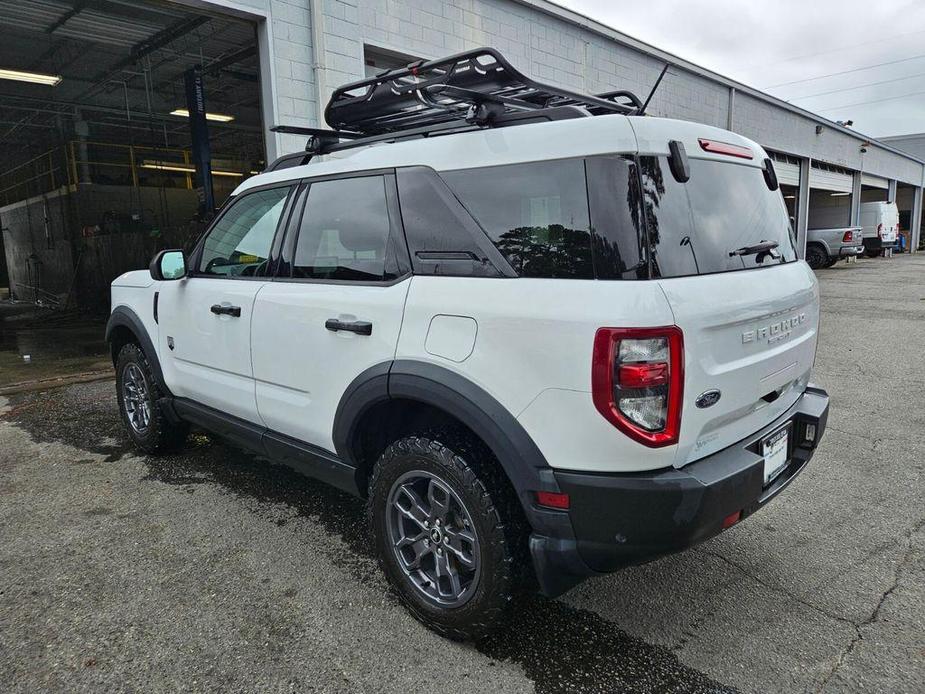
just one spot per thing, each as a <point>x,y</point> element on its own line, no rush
<point>116,158</point>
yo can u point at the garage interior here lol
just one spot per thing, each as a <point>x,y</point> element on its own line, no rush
<point>830,196</point>
<point>101,167</point>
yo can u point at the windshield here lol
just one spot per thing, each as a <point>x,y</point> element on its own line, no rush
<point>723,219</point>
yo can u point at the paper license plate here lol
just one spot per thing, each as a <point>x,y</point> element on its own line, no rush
<point>774,449</point>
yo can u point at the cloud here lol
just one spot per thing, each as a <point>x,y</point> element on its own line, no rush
<point>764,43</point>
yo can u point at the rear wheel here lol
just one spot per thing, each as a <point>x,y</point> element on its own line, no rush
<point>830,262</point>
<point>142,413</point>
<point>444,532</point>
<point>873,254</point>
<point>816,256</point>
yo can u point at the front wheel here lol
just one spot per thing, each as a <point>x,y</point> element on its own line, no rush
<point>444,530</point>
<point>139,395</point>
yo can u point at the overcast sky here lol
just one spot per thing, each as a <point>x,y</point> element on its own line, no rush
<point>764,43</point>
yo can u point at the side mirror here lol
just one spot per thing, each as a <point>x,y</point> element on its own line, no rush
<point>168,265</point>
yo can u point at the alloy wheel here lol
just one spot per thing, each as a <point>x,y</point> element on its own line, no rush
<point>136,398</point>
<point>433,538</point>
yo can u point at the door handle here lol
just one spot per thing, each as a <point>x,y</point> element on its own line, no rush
<point>219,310</point>
<point>360,327</point>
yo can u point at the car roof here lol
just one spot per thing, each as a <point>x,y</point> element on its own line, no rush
<point>543,141</point>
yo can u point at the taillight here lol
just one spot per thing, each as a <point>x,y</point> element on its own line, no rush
<point>637,381</point>
<point>847,237</point>
<point>880,230</point>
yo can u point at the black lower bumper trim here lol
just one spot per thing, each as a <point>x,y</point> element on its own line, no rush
<point>622,519</point>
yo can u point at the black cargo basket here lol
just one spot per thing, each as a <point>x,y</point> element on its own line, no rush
<point>476,87</point>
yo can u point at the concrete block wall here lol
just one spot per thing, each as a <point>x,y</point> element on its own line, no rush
<point>793,133</point>
<point>544,45</point>
<point>540,45</point>
<point>543,40</point>
<point>293,68</point>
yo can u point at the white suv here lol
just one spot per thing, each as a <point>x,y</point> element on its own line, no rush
<point>545,336</point>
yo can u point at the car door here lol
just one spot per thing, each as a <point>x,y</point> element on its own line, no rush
<point>205,318</point>
<point>336,307</point>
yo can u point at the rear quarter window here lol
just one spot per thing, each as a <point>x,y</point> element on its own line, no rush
<point>693,227</point>
<point>536,214</point>
<point>566,219</point>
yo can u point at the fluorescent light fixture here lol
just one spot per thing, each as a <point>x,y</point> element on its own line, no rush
<point>183,113</point>
<point>34,77</point>
<point>180,168</point>
<point>838,195</point>
<point>790,197</point>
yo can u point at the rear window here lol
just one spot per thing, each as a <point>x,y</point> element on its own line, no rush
<point>695,226</point>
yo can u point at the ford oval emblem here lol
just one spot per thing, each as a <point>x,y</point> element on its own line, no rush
<point>708,398</point>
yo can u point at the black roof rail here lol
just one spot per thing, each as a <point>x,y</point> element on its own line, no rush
<point>315,146</point>
<point>476,86</point>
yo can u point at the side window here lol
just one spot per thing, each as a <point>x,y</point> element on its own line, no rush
<point>346,232</point>
<point>239,243</point>
<point>536,214</point>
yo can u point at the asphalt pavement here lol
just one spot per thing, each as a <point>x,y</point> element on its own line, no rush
<point>214,570</point>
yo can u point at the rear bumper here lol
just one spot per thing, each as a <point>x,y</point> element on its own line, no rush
<point>616,520</point>
<point>876,244</point>
<point>848,251</point>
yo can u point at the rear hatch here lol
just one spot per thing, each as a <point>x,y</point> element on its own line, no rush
<point>890,221</point>
<point>749,317</point>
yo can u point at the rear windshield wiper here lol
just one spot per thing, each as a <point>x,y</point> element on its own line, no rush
<point>762,249</point>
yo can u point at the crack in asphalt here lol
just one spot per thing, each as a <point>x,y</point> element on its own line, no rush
<point>770,586</point>
<point>875,613</point>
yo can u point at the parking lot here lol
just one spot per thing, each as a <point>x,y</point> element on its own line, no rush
<point>215,571</point>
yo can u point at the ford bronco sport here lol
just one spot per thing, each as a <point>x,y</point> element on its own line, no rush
<point>544,335</point>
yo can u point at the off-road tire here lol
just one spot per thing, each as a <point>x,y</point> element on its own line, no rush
<point>831,262</point>
<point>816,257</point>
<point>161,435</point>
<point>467,466</point>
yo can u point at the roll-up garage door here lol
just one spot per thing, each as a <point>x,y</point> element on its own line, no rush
<point>874,181</point>
<point>829,179</point>
<point>788,173</point>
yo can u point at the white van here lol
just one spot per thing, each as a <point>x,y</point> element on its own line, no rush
<point>881,226</point>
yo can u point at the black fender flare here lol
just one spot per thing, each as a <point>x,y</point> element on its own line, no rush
<point>124,317</point>
<point>430,384</point>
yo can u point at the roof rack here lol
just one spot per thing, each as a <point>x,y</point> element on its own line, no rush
<point>475,86</point>
<point>475,89</point>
